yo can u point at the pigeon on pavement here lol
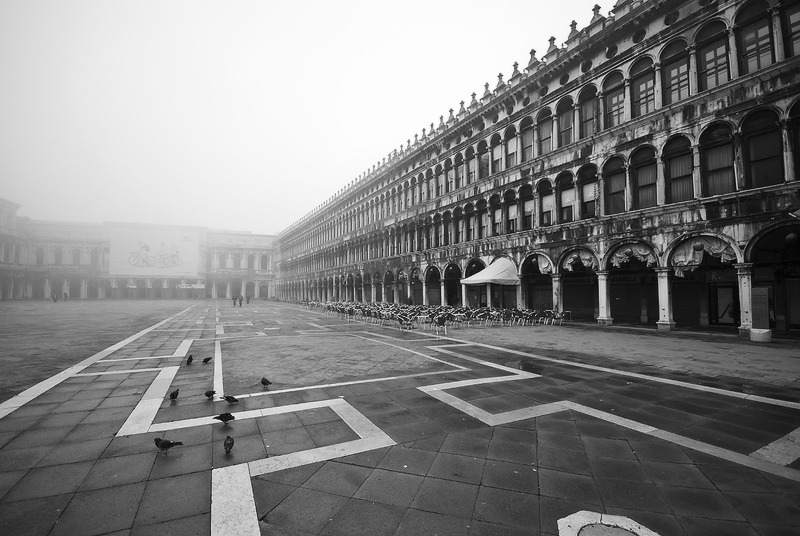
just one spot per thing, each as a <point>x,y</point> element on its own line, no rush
<point>225,418</point>
<point>174,394</point>
<point>165,444</point>
<point>230,399</point>
<point>189,359</point>
<point>210,394</point>
<point>228,444</point>
<point>266,383</point>
<point>206,360</point>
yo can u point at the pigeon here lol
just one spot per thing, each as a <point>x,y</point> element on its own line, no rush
<point>174,394</point>
<point>165,444</point>
<point>210,394</point>
<point>228,444</point>
<point>189,359</point>
<point>225,418</point>
<point>230,399</point>
<point>206,360</point>
<point>266,383</point>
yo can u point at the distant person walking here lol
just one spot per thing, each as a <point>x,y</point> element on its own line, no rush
<point>66,296</point>
<point>55,297</point>
<point>248,300</point>
<point>234,301</point>
<point>240,300</point>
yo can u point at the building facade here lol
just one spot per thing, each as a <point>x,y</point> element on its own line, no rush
<point>644,172</point>
<point>43,259</point>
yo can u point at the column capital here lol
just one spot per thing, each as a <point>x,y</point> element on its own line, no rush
<point>663,270</point>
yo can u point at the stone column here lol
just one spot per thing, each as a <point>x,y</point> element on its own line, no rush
<point>558,292</point>
<point>777,32</point>
<point>661,181</point>
<point>697,178</point>
<point>659,99</point>
<point>744,273</point>
<point>442,296</point>
<point>788,153</point>
<point>488,294</point>
<point>84,289</point>
<point>48,292</point>
<point>228,293</point>
<point>604,302</point>
<point>424,292</point>
<point>734,53</point>
<point>665,321</point>
<point>627,113</point>
<point>692,49</point>
<point>463,295</point>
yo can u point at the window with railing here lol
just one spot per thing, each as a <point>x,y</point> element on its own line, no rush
<point>791,29</point>
<point>527,142</point>
<point>565,117</point>
<point>545,127</point>
<point>587,181</point>
<point>566,191</point>
<point>511,151</point>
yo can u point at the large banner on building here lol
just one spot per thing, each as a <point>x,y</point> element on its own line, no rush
<point>153,251</point>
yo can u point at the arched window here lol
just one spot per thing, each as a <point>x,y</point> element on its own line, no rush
<point>545,127</point>
<point>547,202</point>
<point>39,256</point>
<point>497,154</point>
<point>527,138</point>
<point>614,96</point>
<point>94,257</point>
<point>794,129</point>
<point>528,206</point>
<point>716,154</point>
<point>678,164</point>
<point>450,174</point>
<point>459,171</point>
<point>588,109</point>
<point>643,177</point>
<point>76,256</point>
<point>58,256</point>
<point>763,149</point>
<point>510,209</point>
<point>566,197</point>
<point>483,159</point>
<point>237,261</point>
<point>643,88</point>
<point>565,116</point>
<point>754,37</point>
<point>791,28</point>
<point>587,182</point>
<point>251,262</point>
<point>712,56</point>
<point>675,72</point>
<point>511,147</point>
<point>472,166</point>
<point>614,182</point>
<point>438,181</point>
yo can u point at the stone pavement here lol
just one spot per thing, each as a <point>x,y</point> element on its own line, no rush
<point>369,430</point>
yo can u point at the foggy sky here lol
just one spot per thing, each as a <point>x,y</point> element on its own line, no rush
<point>239,115</point>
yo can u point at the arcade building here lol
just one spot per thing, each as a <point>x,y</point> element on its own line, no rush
<point>644,172</point>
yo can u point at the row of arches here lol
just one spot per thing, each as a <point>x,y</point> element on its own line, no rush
<point>700,279</point>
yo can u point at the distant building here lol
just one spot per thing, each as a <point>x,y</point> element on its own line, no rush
<point>40,259</point>
<point>644,172</point>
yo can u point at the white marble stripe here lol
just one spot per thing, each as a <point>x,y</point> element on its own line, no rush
<point>125,371</point>
<point>233,508</point>
<point>610,417</point>
<point>323,328</point>
<point>145,411</point>
<point>409,350</point>
<point>183,348</point>
<point>361,425</point>
<point>741,459</point>
<point>218,387</point>
<point>526,413</point>
<point>782,451</point>
<point>461,405</point>
<point>345,384</point>
<point>498,366</point>
<point>32,392</point>
<point>715,390</point>
<point>220,330</point>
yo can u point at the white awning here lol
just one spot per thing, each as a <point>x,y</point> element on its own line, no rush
<point>500,272</point>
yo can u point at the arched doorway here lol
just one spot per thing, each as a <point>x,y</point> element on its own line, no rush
<point>388,283</point>
<point>250,290</point>
<point>141,289</point>
<point>476,294</point>
<point>416,286</point>
<point>633,284</point>
<point>452,285</point>
<point>579,284</point>
<point>433,286</point>
<point>402,287</point>
<point>537,285</point>
<point>378,287</point>
<point>776,267</point>
<point>705,289</point>
<point>157,288</point>
<point>367,286</point>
